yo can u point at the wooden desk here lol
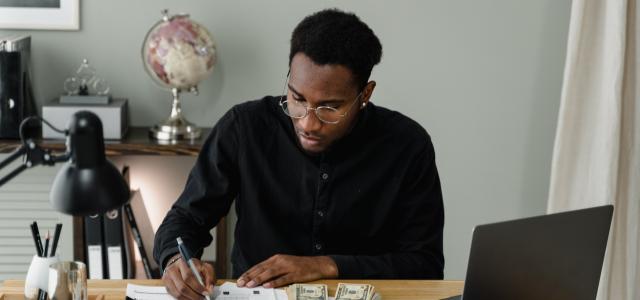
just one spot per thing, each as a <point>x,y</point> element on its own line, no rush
<point>389,289</point>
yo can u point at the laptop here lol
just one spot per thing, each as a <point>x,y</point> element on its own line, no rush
<point>556,256</point>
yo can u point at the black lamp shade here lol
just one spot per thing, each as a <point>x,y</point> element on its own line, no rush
<point>88,184</point>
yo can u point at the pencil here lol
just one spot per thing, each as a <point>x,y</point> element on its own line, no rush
<point>46,245</point>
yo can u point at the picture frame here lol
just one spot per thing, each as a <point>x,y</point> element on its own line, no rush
<point>40,14</point>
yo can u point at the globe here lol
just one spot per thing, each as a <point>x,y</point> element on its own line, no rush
<point>178,52</point>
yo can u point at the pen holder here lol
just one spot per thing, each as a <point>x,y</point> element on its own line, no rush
<point>38,275</point>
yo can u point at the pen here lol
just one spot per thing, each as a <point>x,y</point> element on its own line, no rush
<point>38,239</point>
<point>187,257</point>
<point>56,237</point>
<point>35,238</point>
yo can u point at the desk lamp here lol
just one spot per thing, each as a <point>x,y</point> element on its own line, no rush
<point>88,183</point>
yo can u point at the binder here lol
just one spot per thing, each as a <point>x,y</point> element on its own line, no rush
<point>114,244</point>
<point>142,233</point>
<point>95,259</point>
<point>130,269</point>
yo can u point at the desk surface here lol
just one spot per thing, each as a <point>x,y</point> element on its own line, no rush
<point>389,289</point>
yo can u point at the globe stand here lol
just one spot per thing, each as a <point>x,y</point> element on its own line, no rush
<point>176,127</point>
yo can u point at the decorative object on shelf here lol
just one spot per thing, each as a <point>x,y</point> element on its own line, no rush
<point>178,53</point>
<point>16,94</point>
<point>113,115</point>
<point>84,87</point>
<point>40,14</point>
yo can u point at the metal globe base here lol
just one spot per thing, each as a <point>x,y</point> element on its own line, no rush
<point>176,127</point>
<point>167,132</point>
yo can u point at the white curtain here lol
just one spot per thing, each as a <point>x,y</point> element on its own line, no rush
<point>596,158</point>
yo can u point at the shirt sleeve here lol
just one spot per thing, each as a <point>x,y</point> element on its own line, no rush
<point>418,223</point>
<point>211,187</point>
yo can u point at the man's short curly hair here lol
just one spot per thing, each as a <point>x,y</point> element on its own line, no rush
<point>332,36</point>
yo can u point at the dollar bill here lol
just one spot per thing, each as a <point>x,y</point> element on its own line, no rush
<point>308,292</point>
<point>353,291</point>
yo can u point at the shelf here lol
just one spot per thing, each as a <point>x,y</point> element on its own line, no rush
<point>136,142</point>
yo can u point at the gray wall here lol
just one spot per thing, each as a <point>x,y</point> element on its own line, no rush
<point>483,77</point>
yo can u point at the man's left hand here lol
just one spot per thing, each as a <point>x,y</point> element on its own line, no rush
<point>282,269</point>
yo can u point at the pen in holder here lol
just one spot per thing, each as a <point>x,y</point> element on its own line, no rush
<point>38,275</point>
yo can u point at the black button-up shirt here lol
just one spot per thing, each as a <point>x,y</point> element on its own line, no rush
<point>372,201</point>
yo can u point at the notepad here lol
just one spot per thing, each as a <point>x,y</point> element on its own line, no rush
<point>145,292</point>
<point>227,291</point>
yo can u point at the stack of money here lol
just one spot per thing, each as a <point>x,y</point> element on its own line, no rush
<point>308,292</point>
<point>354,291</point>
<point>345,291</point>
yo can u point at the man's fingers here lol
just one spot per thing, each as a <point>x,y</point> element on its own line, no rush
<point>278,282</point>
<point>250,274</point>
<point>186,292</point>
<point>190,280</point>
<point>168,283</point>
<point>209,276</point>
<point>266,275</point>
<point>177,287</point>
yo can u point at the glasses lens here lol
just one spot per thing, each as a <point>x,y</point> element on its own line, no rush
<point>294,109</point>
<point>328,114</point>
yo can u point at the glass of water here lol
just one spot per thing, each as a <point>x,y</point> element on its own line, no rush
<point>68,281</point>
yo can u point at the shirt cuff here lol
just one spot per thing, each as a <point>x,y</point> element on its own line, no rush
<point>346,266</point>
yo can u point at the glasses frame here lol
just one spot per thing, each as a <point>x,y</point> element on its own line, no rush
<point>283,102</point>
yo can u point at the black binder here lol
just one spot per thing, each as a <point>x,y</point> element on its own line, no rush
<point>114,245</point>
<point>142,233</point>
<point>93,241</point>
<point>130,263</point>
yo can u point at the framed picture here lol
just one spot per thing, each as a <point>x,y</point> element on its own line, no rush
<point>40,14</point>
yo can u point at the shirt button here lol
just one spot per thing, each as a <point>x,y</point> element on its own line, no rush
<point>320,214</point>
<point>325,176</point>
<point>318,247</point>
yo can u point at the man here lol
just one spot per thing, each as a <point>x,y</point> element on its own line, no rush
<point>326,184</point>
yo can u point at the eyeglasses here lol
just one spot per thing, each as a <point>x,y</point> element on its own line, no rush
<point>299,109</point>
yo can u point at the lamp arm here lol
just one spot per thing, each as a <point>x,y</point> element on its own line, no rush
<point>13,156</point>
<point>12,174</point>
<point>35,155</point>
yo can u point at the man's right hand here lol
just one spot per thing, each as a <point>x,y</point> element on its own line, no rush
<point>182,284</point>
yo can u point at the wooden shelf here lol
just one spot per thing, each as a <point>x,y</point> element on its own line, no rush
<point>136,142</point>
